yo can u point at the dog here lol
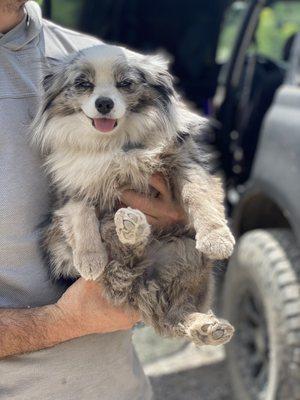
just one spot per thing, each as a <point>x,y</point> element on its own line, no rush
<point>110,118</point>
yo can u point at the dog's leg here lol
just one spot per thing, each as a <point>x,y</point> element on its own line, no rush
<point>81,229</point>
<point>202,197</point>
<point>132,229</point>
<point>117,281</point>
<point>203,329</point>
<point>126,234</point>
<point>56,250</point>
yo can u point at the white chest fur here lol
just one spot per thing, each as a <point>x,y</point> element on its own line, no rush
<point>102,175</point>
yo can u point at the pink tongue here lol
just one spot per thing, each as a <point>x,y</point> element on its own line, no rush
<point>104,124</point>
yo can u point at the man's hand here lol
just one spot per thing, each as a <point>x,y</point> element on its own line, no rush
<point>82,310</point>
<point>160,211</point>
<point>85,309</point>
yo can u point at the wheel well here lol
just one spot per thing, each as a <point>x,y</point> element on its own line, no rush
<point>258,211</point>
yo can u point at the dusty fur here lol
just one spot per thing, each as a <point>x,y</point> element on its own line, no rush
<point>167,275</point>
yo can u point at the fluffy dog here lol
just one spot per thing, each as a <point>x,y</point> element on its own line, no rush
<point>109,119</point>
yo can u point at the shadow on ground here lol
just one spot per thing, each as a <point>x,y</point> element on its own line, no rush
<point>180,371</point>
<point>202,383</point>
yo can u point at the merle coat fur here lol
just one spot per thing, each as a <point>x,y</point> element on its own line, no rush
<point>165,274</point>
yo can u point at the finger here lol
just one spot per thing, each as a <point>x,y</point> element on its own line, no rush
<point>141,202</point>
<point>135,317</point>
<point>125,187</point>
<point>159,183</point>
<point>152,220</point>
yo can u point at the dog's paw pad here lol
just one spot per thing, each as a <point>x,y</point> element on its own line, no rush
<point>217,245</point>
<point>208,330</point>
<point>90,264</point>
<point>131,226</point>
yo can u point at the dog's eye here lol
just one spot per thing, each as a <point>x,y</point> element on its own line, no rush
<point>126,83</point>
<point>83,84</point>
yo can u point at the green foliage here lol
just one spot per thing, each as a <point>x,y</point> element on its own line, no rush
<point>230,27</point>
<point>66,12</point>
<point>276,24</point>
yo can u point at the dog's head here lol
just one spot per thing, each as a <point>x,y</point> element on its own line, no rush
<point>105,93</point>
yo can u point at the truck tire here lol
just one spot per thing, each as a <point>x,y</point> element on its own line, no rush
<point>262,301</point>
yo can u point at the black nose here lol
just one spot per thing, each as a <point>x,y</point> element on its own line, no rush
<point>104,105</point>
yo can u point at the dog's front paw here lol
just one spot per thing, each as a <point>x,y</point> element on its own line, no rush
<point>217,244</point>
<point>131,226</point>
<point>90,265</point>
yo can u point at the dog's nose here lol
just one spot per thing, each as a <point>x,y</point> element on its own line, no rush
<point>104,105</point>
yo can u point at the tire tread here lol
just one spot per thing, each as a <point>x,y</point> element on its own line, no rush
<point>282,269</point>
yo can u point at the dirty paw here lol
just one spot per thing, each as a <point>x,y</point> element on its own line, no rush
<point>131,226</point>
<point>217,244</point>
<point>90,265</point>
<point>206,329</point>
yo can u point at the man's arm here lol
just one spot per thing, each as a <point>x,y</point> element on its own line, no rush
<point>24,330</point>
<point>80,311</point>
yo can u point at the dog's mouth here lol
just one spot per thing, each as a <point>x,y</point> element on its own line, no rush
<point>104,125</point>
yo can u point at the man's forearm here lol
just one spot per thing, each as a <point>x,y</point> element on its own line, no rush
<point>82,310</point>
<point>25,330</point>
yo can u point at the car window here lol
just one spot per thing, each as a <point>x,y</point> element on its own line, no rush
<point>278,24</point>
<point>231,23</point>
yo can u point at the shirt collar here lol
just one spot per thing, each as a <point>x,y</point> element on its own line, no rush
<point>26,31</point>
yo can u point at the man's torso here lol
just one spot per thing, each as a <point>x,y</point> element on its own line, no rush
<point>93,367</point>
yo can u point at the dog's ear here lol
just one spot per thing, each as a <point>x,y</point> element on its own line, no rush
<point>47,80</point>
<point>154,70</point>
<point>51,71</point>
<point>54,81</point>
<point>57,75</point>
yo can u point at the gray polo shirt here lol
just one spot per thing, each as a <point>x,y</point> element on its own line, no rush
<point>102,367</point>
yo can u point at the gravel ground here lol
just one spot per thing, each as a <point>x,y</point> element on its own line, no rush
<point>202,383</point>
<point>180,371</point>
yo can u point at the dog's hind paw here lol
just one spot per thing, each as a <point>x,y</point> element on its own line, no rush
<point>131,226</point>
<point>217,244</point>
<point>206,329</point>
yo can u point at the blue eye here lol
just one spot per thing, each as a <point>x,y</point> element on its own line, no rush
<point>126,83</point>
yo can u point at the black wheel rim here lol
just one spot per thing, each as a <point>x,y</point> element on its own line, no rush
<point>252,343</point>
